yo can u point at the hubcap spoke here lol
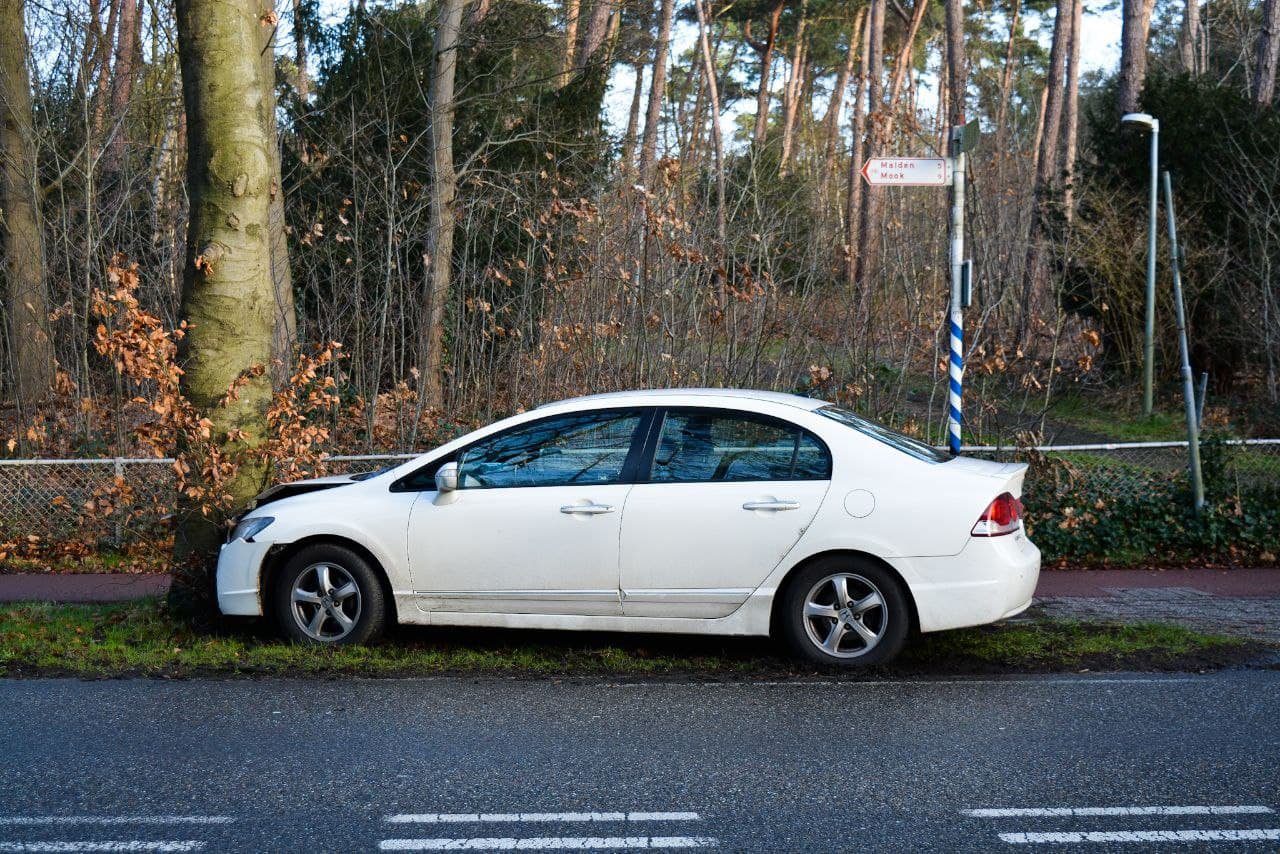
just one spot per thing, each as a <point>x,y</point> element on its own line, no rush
<point>815,609</point>
<point>322,577</point>
<point>345,591</point>
<point>841,586</point>
<point>834,636</point>
<point>341,618</point>
<point>317,622</point>
<point>869,637</point>
<point>866,603</point>
<point>306,596</point>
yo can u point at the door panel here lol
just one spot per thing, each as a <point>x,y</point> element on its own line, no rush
<point>534,526</point>
<point>692,550</point>
<point>520,550</point>
<point>728,495</point>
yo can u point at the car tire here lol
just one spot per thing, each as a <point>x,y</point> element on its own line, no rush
<point>328,595</point>
<point>864,627</point>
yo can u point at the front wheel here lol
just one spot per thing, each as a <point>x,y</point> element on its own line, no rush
<point>845,611</point>
<point>329,595</point>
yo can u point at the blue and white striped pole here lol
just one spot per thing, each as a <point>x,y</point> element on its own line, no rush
<point>956,368</point>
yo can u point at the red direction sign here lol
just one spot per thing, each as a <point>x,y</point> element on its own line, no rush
<point>906,171</point>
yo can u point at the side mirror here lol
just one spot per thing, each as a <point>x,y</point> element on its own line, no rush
<point>447,477</point>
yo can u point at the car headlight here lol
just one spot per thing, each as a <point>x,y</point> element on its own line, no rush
<point>247,529</point>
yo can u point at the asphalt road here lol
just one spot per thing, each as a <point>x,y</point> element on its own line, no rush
<point>354,765</point>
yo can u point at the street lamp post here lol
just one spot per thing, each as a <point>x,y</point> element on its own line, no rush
<point>1149,330</point>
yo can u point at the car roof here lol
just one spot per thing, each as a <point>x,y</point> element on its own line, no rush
<point>724,396</point>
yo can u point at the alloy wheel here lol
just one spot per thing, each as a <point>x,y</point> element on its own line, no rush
<point>845,615</point>
<point>325,602</point>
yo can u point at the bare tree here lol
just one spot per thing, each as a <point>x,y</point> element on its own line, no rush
<point>765,49</point>
<point>868,225</point>
<point>1267,54</point>
<point>1071,122</point>
<point>835,104</point>
<point>957,75</point>
<point>122,77</point>
<point>793,88</point>
<point>1135,26</point>
<point>571,15</point>
<point>444,184</point>
<point>27,290</point>
<point>855,188</point>
<point>713,92</point>
<point>1190,39</point>
<point>1006,76</point>
<point>657,91</point>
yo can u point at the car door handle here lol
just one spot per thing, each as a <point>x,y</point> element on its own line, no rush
<point>589,509</point>
<point>771,505</point>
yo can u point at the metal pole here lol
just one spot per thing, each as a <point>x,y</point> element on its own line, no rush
<point>956,369</point>
<point>1149,330</point>
<point>1188,384</point>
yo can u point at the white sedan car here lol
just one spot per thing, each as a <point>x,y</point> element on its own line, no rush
<point>701,511</point>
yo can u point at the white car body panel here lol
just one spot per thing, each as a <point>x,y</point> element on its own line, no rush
<point>678,563</point>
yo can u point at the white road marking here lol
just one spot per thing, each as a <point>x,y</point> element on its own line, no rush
<point>1012,681</point>
<point>1144,836</point>
<point>107,845</point>
<point>1051,812</point>
<point>115,819</point>
<point>472,817</point>
<point>548,843</point>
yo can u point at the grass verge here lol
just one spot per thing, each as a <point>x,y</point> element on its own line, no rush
<point>138,639</point>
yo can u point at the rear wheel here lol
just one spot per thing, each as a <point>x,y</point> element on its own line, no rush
<point>845,611</point>
<point>329,595</point>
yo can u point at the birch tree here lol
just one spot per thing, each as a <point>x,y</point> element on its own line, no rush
<point>444,184</point>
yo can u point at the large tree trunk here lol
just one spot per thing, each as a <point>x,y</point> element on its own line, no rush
<point>26,290</point>
<point>853,197</point>
<point>657,91</point>
<point>765,49</point>
<point>957,74</point>
<point>1133,52</point>
<point>1268,54</point>
<point>1071,122</point>
<point>228,296</point>
<point>444,185</point>
<point>868,225</point>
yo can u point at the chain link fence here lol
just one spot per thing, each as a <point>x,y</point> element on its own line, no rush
<point>117,502</point>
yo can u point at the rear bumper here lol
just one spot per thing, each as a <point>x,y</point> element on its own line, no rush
<point>991,579</point>
<point>239,573</point>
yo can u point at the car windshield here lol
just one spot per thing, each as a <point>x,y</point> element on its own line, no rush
<point>892,438</point>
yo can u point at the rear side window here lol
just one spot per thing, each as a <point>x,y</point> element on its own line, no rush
<point>700,446</point>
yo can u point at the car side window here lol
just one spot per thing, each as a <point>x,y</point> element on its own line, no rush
<point>582,448</point>
<point>696,446</point>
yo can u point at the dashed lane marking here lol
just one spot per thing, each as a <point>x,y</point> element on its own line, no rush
<point>1260,835</point>
<point>467,818</point>
<point>549,843</point>
<point>105,845</point>
<point>1053,812</point>
<point>115,819</point>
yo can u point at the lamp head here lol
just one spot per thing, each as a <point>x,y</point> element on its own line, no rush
<point>1145,119</point>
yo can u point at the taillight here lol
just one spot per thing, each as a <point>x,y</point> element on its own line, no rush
<point>1001,517</point>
